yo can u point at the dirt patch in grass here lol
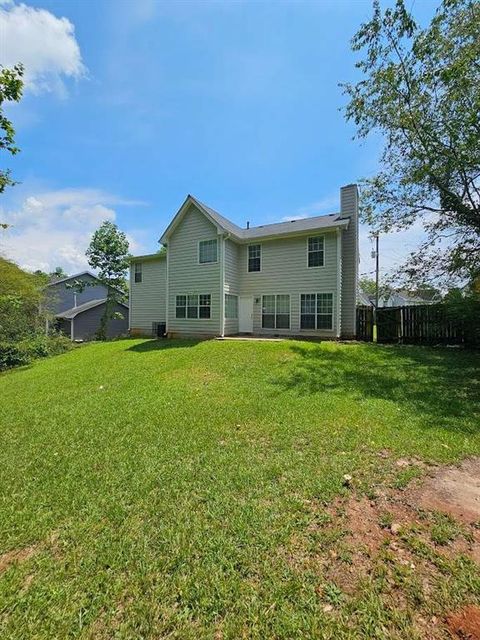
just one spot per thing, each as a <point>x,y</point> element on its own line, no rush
<point>15,556</point>
<point>398,543</point>
<point>465,623</point>
<point>454,490</point>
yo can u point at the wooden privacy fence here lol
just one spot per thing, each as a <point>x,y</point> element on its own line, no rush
<point>418,324</point>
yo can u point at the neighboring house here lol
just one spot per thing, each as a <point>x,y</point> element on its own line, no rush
<point>217,279</point>
<point>396,299</point>
<point>78,313</point>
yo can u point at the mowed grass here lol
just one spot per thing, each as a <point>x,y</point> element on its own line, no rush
<point>152,489</point>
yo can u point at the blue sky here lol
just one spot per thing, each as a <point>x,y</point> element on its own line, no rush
<point>131,105</point>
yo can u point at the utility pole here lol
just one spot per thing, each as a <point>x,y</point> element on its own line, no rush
<point>375,316</point>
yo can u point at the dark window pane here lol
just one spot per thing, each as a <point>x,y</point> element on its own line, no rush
<point>204,299</point>
<point>192,312</point>
<point>180,312</point>
<point>283,321</point>
<point>324,321</point>
<point>254,264</point>
<point>204,312</point>
<point>307,321</point>
<point>268,321</point>
<point>315,259</point>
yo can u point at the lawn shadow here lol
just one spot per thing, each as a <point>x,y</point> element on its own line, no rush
<point>162,345</point>
<point>439,382</point>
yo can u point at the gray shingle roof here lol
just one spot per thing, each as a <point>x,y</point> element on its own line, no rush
<point>277,228</point>
<point>74,311</point>
<point>75,275</point>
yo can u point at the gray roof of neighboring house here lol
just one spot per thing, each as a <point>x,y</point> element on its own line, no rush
<point>262,231</point>
<point>74,311</point>
<point>75,275</point>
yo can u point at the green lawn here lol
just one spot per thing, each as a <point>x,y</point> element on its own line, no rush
<point>156,489</point>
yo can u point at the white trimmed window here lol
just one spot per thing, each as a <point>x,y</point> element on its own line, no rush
<point>254,257</point>
<point>231,306</point>
<point>276,312</point>
<point>316,251</point>
<point>316,311</point>
<point>193,306</point>
<point>207,251</point>
<point>138,272</point>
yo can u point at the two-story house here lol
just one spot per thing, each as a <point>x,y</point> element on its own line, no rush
<point>216,279</point>
<point>77,304</point>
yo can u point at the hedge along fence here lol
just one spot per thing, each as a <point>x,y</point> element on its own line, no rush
<point>421,324</point>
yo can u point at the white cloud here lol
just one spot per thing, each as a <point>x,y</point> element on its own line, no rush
<point>54,228</point>
<point>45,44</point>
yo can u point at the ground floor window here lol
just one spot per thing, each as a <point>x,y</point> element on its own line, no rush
<point>231,306</point>
<point>316,311</point>
<point>276,312</point>
<point>193,306</point>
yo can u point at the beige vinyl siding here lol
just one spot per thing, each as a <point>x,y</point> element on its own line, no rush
<point>148,298</point>
<point>349,208</point>
<point>232,280</point>
<point>284,270</point>
<point>187,276</point>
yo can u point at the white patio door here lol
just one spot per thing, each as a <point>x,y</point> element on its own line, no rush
<point>245,314</point>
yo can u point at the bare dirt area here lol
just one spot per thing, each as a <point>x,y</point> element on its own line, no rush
<point>453,490</point>
<point>415,547</point>
<point>465,623</point>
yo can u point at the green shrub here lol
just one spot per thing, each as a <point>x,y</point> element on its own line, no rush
<point>17,354</point>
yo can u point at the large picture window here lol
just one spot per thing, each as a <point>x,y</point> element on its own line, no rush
<point>316,311</point>
<point>276,312</point>
<point>193,306</point>
<point>207,251</point>
<point>254,257</point>
<point>316,251</point>
<point>231,306</point>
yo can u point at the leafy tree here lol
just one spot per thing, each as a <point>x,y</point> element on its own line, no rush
<point>420,89</point>
<point>108,252</point>
<point>367,285</point>
<point>11,86</point>
<point>58,272</point>
<point>21,294</point>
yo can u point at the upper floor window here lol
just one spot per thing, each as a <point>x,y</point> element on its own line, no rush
<point>207,251</point>
<point>316,251</point>
<point>254,257</point>
<point>138,271</point>
<point>193,306</point>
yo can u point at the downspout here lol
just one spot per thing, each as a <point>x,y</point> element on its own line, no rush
<point>72,329</point>
<point>339,282</point>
